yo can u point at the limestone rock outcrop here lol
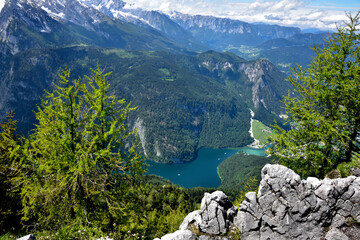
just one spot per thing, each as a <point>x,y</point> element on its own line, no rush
<point>335,234</point>
<point>215,216</point>
<point>285,207</point>
<point>179,235</point>
<point>212,221</point>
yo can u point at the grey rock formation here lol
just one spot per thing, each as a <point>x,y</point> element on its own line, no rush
<point>285,207</point>
<point>355,172</point>
<point>335,234</point>
<point>179,235</point>
<point>215,216</point>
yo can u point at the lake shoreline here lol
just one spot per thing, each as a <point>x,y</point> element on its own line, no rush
<point>203,171</point>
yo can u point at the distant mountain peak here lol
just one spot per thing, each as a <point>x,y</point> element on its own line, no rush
<point>69,10</point>
<point>108,7</point>
<point>104,4</point>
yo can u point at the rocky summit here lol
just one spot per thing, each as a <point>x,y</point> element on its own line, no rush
<point>285,207</point>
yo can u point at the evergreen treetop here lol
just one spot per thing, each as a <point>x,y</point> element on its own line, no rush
<point>81,156</point>
<point>325,114</point>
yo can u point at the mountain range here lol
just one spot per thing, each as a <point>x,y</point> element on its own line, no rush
<point>188,95</point>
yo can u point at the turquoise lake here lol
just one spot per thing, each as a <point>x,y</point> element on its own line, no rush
<point>203,170</point>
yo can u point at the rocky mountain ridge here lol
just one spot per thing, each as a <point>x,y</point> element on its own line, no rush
<point>221,32</point>
<point>27,24</point>
<point>181,28</point>
<point>284,46</point>
<point>69,10</point>
<point>213,32</point>
<point>285,207</point>
<point>196,33</point>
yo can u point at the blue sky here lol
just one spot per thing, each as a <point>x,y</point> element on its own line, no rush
<point>321,14</point>
<point>348,5</point>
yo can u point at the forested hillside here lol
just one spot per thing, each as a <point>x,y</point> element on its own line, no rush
<point>184,102</point>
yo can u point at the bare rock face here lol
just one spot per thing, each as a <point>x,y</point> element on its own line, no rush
<point>287,207</point>
<point>335,234</point>
<point>215,216</point>
<point>179,235</point>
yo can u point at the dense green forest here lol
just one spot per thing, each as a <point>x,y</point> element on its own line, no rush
<point>184,102</point>
<point>82,159</point>
<point>79,174</point>
<point>237,169</point>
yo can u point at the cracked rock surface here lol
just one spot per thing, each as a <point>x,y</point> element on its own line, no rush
<point>214,218</point>
<point>287,207</point>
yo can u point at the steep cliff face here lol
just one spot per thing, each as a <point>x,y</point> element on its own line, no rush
<point>285,207</point>
<point>16,20</point>
<point>260,78</point>
<point>256,73</point>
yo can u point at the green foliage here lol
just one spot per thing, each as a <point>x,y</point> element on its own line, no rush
<point>250,185</point>
<point>70,231</point>
<point>261,132</point>
<point>81,159</point>
<point>166,75</point>
<point>81,171</point>
<point>325,116</point>
<point>7,236</point>
<point>234,234</point>
<point>165,208</point>
<point>9,155</point>
<point>346,169</point>
<point>197,193</point>
<point>236,171</point>
<point>206,105</point>
<point>284,53</point>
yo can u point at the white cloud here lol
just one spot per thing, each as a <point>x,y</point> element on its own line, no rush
<point>297,13</point>
<point>283,5</point>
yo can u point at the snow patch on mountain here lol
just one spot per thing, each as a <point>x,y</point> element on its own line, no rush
<point>2,4</point>
<point>124,15</point>
<point>104,5</point>
<point>60,15</point>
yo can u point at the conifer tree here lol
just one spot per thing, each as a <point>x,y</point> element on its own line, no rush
<point>81,154</point>
<point>9,198</point>
<point>325,116</point>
